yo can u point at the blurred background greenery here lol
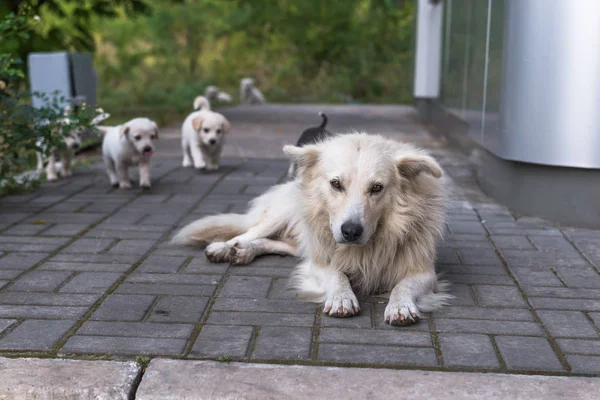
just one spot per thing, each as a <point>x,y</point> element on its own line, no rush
<point>154,56</point>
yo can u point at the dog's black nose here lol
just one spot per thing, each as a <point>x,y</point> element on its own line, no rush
<point>352,231</point>
<point>147,149</point>
<point>212,142</point>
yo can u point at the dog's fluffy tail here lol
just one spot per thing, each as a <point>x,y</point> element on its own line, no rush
<point>201,103</point>
<point>437,299</point>
<point>215,228</point>
<point>100,118</point>
<point>324,123</point>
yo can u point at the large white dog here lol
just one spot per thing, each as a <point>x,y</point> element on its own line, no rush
<point>365,213</point>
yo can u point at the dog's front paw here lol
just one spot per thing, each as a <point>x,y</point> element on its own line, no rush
<point>401,312</point>
<point>125,185</point>
<point>242,254</point>
<point>218,252</point>
<point>341,304</point>
<point>145,186</point>
<point>186,163</point>
<point>51,177</point>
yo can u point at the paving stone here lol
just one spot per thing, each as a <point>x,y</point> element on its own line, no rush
<point>378,337</point>
<point>221,341</point>
<point>179,309</point>
<point>398,356</point>
<point>136,329</point>
<point>131,246</point>
<point>567,324</point>
<point>279,290</point>
<point>96,258</point>
<point>566,293</point>
<point>584,277</point>
<point>33,312</point>
<point>65,229</point>
<point>596,318</point>
<point>279,272</point>
<point>463,296</point>
<point>472,279</point>
<point>259,318</point>
<point>36,335</point>
<point>468,350</point>
<point>578,346</point>
<point>27,244</point>
<point>166,289</point>
<point>123,345</point>
<point>161,264</point>
<point>93,246</point>
<point>91,282</point>
<point>552,243</point>
<point>282,343</point>
<point>565,304</point>
<point>263,305</point>
<point>496,314</point>
<point>471,269</point>
<point>21,261</point>
<point>199,265</point>
<point>488,327</point>
<point>119,307</point>
<point>584,364</point>
<point>48,299</point>
<point>467,227</point>
<point>499,296</point>
<point>24,230</point>
<point>479,257</point>
<point>5,324</point>
<point>536,276</point>
<point>517,242</point>
<point>447,256</point>
<point>40,281</point>
<point>528,353</point>
<point>521,258</point>
<point>178,279</point>
<point>9,274</point>
<point>84,267</point>
<point>246,286</point>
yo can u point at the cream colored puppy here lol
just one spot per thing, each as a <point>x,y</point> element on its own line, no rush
<point>249,93</point>
<point>202,138</point>
<point>127,145</point>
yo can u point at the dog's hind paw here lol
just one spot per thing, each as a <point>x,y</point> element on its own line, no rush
<point>241,254</point>
<point>341,305</point>
<point>218,252</point>
<point>401,312</point>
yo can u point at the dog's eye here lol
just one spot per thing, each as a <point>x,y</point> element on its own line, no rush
<point>218,131</point>
<point>335,183</point>
<point>206,130</point>
<point>376,188</point>
<point>137,138</point>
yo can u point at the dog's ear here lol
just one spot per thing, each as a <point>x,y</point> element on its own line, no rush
<point>303,157</point>
<point>124,130</point>
<point>155,130</point>
<point>410,166</point>
<point>226,125</point>
<point>197,123</point>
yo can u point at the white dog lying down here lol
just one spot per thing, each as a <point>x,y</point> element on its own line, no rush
<point>72,141</point>
<point>249,93</point>
<point>127,145</point>
<point>202,136</point>
<point>365,212</point>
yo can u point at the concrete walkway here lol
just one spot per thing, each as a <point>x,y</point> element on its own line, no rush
<point>86,271</point>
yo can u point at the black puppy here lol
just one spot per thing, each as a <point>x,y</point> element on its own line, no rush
<point>311,135</point>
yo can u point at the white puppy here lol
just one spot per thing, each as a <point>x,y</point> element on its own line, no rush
<point>249,93</point>
<point>213,93</point>
<point>201,103</point>
<point>202,138</point>
<point>126,145</point>
<point>66,153</point>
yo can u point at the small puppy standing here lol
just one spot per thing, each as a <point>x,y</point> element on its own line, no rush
<point>249,93</point>
<point>72,141</point>
<point>309,136</point>
<point>127,145</point>
<point>213,93</point>
<point>202,136</point>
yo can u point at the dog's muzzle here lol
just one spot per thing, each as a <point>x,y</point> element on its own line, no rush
<point>147,151</point>
<point>351,231</point>
<point>212,142</point>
